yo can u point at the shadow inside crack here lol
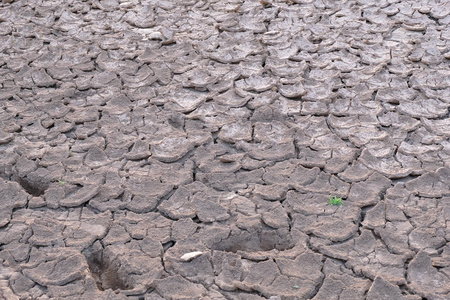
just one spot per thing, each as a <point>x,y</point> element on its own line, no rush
<point>104,271</point>
<point>32,188</point>
<point>263,240</point>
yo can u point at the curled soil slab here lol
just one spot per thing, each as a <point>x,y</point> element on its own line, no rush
<point>239,149</point>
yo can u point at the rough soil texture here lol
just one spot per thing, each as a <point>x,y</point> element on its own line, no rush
<point>169,149</point>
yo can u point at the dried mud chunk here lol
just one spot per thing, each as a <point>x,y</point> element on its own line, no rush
<point>151,224</point>
<point>116,235</point>
<point>375,217</point>
<point>83,82</point>
<point>306,266</point>
<point>12,197</point>
<point>146,187</point>
<point>367,256</point>
<point>425,280</point>
<point>395,235</point>
<point>292,91</point>
<point>416,55</point>
<point>396,95</point>
<point>82,234</point>
<point>178,205</point>
<point>313,158</point>
<point>198,78</point>
<point>20,284</point>
<point>320,92</point>
<point>306,204</point>
<point>142,204</point>
<point>327,184</point>
<point>20,252</point>
<point>254,237</point>
<point>227,56</point>
<point>433,79</point>
<point>426,108</point>
<point>62,73</point>
<point>356,172</point>
<point>183,229</point>
<point>426,238</point>
<point>107,5</point>
<point>440,11</point>
<point>270,192</point>
<point>268,150</point>
<point>176,174</point>
<point>260,274</point>
<point>53,196</point>
<point>232,99</point>
<point>81,196</point>
<point>5,138</point>
<point>96,157</point>
<point>417,149</point>
<point>229,268</point>
<point>171,149</point>
<point>369,191</point>
<point>314,108</point>
<point>288,287</point>
<point>81,115</point>
<point>7,93</point>
<point>342,286</point>
<point>276,217</point>
<point>56,109</point>
<point>73,289</point>
<point>194,265</point>
<point>431,184</point>
<point>262,99</point>
<point>234,132</point>
<point>176,287</point>
<point>145,18</point>
<point>42,79</point>
<point>208,211</point>
<point>62,269</point>
<point>382,289</point>
<point>46,232</point>
<point>439,127</point>
<point>139,151</point>
<point>386,166</point>
<point>54,155</point>
<point>327,222</point>
<point>274,131</point>
<point>257,83</point>
<point>118,105</point>
<point>103,80</point>
<point>290,172</point>
<point>341,230</point>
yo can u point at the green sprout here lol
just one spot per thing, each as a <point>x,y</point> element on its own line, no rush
<point>61,182</point>
<point>70,153</point>
<point>336,200</point>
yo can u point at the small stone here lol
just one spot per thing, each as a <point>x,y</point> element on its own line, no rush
<point>190,256</point>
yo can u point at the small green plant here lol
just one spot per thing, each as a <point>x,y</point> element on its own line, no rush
<point>296,287</point>
<point>336,200</point>
<point>70,153</point>
<point>61,182</point>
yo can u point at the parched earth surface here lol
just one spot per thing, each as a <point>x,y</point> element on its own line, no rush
<point>188,149</point>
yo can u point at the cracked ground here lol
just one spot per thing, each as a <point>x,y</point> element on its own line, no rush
<point>165,149</point>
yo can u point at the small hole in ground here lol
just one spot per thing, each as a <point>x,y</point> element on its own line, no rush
<point>31,187</point>
<point>104,271</point>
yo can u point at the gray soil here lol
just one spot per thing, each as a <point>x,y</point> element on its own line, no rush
<point>184,149</point>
